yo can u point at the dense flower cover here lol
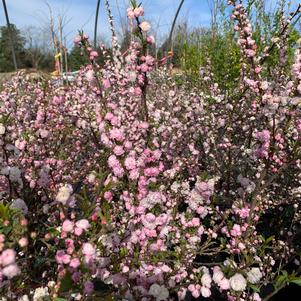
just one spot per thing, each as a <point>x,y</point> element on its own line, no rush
<point>155,190</point>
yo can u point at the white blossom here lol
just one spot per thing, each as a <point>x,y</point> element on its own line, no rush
<point>238,282</point>
<point>64,194</point>
<point>2,129</point>
<point>90,75</point>
<point>218,276</point>
<point>254,275</point>
<point>23,298</point>
<point>206,280</point>
<point>160,292</point>
<point>152,199</point>
<point>40,293</point>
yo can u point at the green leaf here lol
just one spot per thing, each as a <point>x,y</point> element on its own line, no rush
<point>61,299</point>
<point>66,283</point>
<point>255,288</point>
<point>134,3</point>
<point>280,280</point>
<point>4,211</point>
<point>296,281</point>
<point>268,240</point>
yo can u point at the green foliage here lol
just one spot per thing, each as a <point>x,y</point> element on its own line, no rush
<point>266,26</point>
<point>10,224</point>
<point>215,49</point>
<point>77,59</point>
<point>296,281</point>
<point>66,283</point>
<point>6,61</point>
<point>202,48</point>
<point>28,56</point>
<point>285,279</point>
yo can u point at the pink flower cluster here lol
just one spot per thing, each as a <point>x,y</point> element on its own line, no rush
<point>155,188</point>
<point>8,266</point>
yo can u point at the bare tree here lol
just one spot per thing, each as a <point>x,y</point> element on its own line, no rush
<point>214,6</point>
<point>61,46</point>
<point>38,42</point>
<point>56,25</point>
<point>52,28</point>
<point>66,54</point>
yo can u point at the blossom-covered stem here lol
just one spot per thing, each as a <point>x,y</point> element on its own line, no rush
<point>145,82</point>
<point>283,30</point>
<point>115,45</point>
<point>262,183</point>
<point>256,192</point>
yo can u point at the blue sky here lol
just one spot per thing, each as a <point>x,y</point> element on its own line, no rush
<point>81,13</point>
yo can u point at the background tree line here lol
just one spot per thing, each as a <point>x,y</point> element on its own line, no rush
<point>194,48</point>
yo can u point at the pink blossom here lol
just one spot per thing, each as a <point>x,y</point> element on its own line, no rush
<point>90,75</point>
<point>23,242</point>
<point>106,84</point>
<point>196,293</point>
<point>93,54</point>
<point>8,257</point>
<point>139,11</point>
<point>236,230</point>
<point>150,40</point>
<point>88,249</point>
<point>10,271</point>
<point>108,195</point>
<point>59,256</point>
<point>149,221</point>
<point>263,136</point>
<point>113,161</point>
<point>78,231</point>
<point>205,292</point>
<point>118,150</point>
<point>145,26</point>
<point>130,163</point>
<point>68,226</point>
<point>130,13</point>
<point>118,171</point>
<point>116,134</point>
<point>77,39</point>
<point>224,284</point>
<point>74,263</point>
<point>83,224</point>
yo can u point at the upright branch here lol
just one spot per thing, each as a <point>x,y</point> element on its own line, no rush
<point>115,44</point>
<point>145,61</point>
<point>296,14</point>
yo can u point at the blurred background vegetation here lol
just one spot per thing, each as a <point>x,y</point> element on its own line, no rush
<point>212,49</point>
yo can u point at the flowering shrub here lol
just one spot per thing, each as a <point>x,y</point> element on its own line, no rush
<point>124,181</point>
